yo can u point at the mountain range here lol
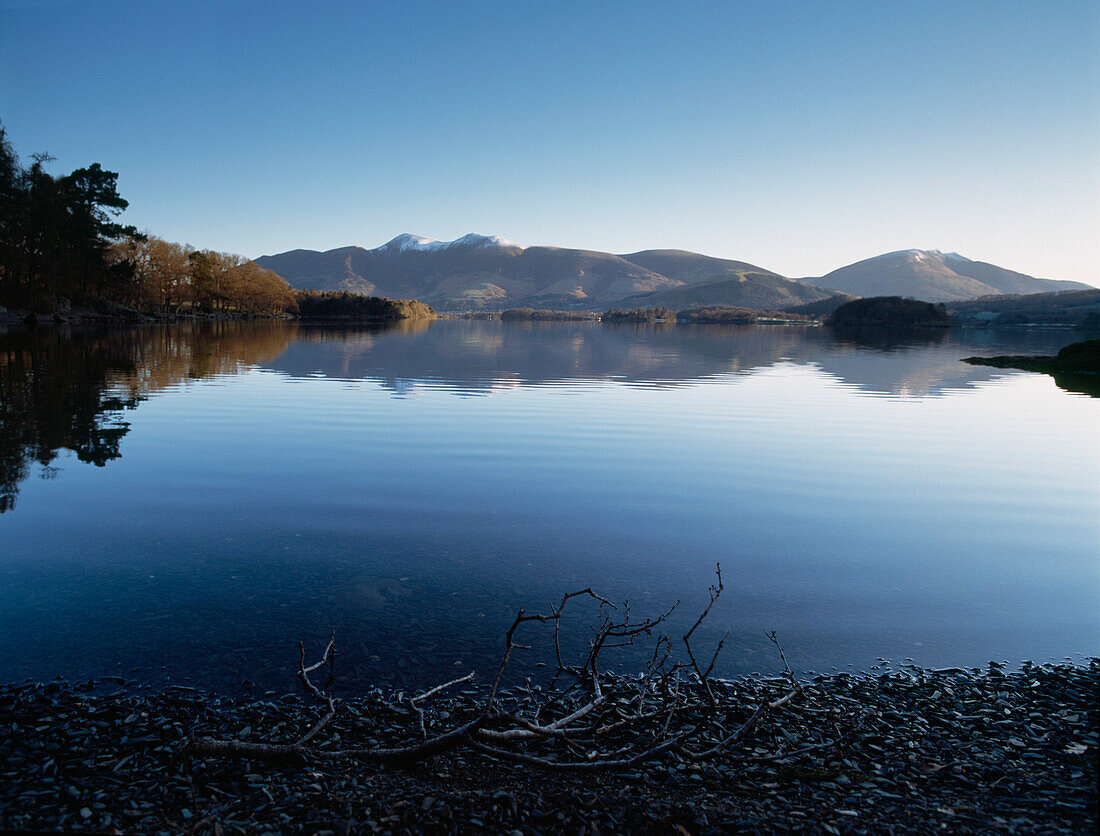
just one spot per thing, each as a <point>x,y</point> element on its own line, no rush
<point>479,272</point>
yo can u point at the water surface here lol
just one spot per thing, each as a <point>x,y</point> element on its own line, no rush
<point>190,501</point>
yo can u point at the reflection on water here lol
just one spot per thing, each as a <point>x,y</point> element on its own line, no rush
<point>472,358</point>
<point>54,395</point>
<point>70,390</point>
<point>866,494</point>
<point>61,390</point>
<point>1078,384</point>
<point>881,338</point>
<point>476,357</point>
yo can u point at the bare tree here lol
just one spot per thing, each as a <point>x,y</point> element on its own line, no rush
<point>599,722</point>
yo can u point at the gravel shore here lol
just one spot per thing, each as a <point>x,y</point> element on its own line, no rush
<point>946,751</point>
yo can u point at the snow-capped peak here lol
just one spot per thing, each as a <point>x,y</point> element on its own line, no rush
<point>475,240</point>
<point>405,242</point>
<point>918,255</point>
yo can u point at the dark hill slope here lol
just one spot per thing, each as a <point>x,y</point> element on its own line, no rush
<point>1067,307</point>
<point>712,281</point>
<point>761,291</point>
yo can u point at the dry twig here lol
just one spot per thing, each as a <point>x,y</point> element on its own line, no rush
<point>601,723</point>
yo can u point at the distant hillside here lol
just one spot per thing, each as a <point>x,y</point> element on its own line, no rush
<point>761,291</point>
<point>721,283</point>
<point>691,268</point>
<point>823,307</point>
<point>1068,307</point>
<point>933,277</point>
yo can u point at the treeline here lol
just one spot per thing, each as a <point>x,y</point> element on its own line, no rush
<point>168,278</point>
<point>539,315</point>
<point>331,304</point>
<point>60,243</point>
<point>730,314</point>
<point>640,315</point>
<point>719,314</point>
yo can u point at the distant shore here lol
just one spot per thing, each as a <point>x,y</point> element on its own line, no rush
<point>117,315</point>
<point>962,751</point>
<point>91,316</point>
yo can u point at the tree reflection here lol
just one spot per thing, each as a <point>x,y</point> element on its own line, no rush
<point>1078,384</point>
<point>883,338</point>
<point>54,395</point>
<point>62,390</point>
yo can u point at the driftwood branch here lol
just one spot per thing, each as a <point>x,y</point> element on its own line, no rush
<point>715,592</point>
<point>602,722</point>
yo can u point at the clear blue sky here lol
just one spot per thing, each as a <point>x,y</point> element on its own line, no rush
<point>799,136</point>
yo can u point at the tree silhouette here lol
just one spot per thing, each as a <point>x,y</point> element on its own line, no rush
<point>56,232</point>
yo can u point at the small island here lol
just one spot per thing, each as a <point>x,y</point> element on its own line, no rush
<point>342,305</point>
<point>889,311</point>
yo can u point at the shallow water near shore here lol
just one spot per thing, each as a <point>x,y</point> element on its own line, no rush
<point>213,493</point>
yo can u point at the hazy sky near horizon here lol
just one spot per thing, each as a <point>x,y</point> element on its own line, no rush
<point>800,136</point>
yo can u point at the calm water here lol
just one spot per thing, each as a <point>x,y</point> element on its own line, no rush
<point>188,502</point>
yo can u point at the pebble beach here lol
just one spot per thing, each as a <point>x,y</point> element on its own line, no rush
<point>916,750</point>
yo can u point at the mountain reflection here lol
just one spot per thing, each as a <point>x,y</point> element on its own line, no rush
<point>62,390</point>
<point>478,357</point>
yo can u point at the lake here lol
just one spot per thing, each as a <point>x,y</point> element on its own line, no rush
<point>186,502</point>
